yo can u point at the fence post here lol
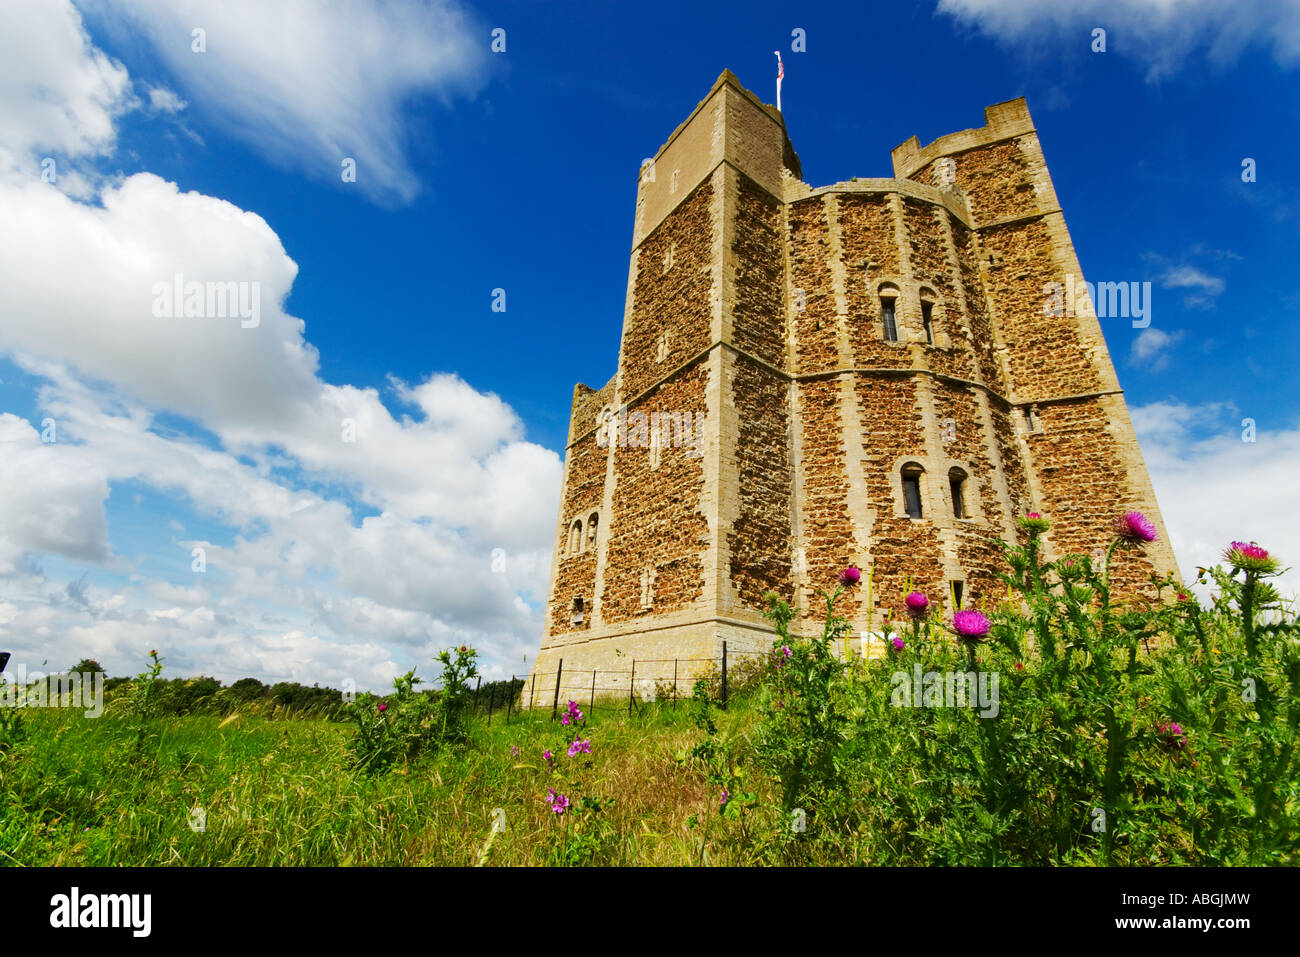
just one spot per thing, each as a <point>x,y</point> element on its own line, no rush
<point>592,706</point>
<point>510,699</point>
<point>555,704</point>
<point>477,684</point>
<point>532,689</point>
<point>674,682</point>
<point>724,675</point>
<point>492,700</point>
<point>631,688</point>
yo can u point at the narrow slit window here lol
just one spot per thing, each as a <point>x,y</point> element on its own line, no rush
<point>891,323</point>
<point>957,588</point>
<point>927,321</point>
<point>592,524</point>
<point>957,484</point>
<point>912,492</point>
<point>577,611</point>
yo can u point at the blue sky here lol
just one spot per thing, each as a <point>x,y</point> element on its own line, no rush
<point>477,170</point>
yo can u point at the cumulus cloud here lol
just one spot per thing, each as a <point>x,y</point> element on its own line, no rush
<point>49,502</point>
<point>307,85</point>
<point>361,582</point>
<point>58,93</point>
<point>1214,488</point>
<point>1165,34</point>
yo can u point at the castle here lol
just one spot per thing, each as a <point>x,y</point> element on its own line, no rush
<point>866,374</point>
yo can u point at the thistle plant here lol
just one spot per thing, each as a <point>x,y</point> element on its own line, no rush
<point>146,697</point>
<point>803,718</point>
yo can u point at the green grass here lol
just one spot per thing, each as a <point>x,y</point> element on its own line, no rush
<point>75,791</point>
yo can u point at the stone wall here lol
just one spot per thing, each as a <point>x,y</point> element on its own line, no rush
<point>894,434</point>
<point>758,309</point>
<point>670,296</point>
<point>760,539</point>
<point>657,522</point>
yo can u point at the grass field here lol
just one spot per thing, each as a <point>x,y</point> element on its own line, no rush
<point>280,792</point>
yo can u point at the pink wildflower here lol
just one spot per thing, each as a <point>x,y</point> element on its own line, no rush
<point>1134,527</point>
<point>970,624</point>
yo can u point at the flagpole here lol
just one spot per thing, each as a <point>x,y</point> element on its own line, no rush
<point>780,74</point>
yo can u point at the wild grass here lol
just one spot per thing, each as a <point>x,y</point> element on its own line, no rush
<point>75,791</point>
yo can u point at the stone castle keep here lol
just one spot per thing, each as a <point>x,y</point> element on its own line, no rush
<point>809,378</point>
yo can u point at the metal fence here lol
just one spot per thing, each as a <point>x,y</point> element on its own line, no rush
<point>644,680</point>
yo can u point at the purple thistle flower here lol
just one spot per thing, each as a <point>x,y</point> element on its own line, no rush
<point>382,706</point>
<point>916,603</point>
<point>970,624</point>
<point>850,576</point>
<point>1034,523</point>
<point>897,643</point>
<point>1250,558</point>
<point>1135,527</point>
<point>1172,735</point>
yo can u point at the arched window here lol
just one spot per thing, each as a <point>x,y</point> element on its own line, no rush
<point>957,484</point>
<point>888,314</point>
<point>577,611</point>
<point>592,523</point>
<point>927,314</point>
<point>912,489</point>
<point>575,537</point>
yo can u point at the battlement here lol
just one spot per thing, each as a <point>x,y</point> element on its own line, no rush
<point>1002,121</point>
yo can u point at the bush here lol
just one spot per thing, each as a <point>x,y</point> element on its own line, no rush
<point>408,724</point>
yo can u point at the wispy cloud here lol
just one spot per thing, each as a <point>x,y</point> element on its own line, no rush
<point>307,85</point>
<point>1152,346</point>
<point>1183,273</point>
<point>1166,35</point>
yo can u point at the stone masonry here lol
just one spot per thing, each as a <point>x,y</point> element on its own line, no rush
<point>766,418</point>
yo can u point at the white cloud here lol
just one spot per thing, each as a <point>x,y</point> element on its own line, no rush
<point>48,500</point>
<point>304,591</point>
<point>1214,488</point>
<point>1200,286</point>
<point>307,84</point>
<point>1165,34</point>
<point>163,100</point>
<point>1189,277</point>
<point>1151,347</point>
<point>58,93</point>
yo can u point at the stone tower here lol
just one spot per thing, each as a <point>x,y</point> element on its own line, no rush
<point>865,373</point>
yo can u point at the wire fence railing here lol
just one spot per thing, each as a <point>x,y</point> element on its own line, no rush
<point>644,680</point>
